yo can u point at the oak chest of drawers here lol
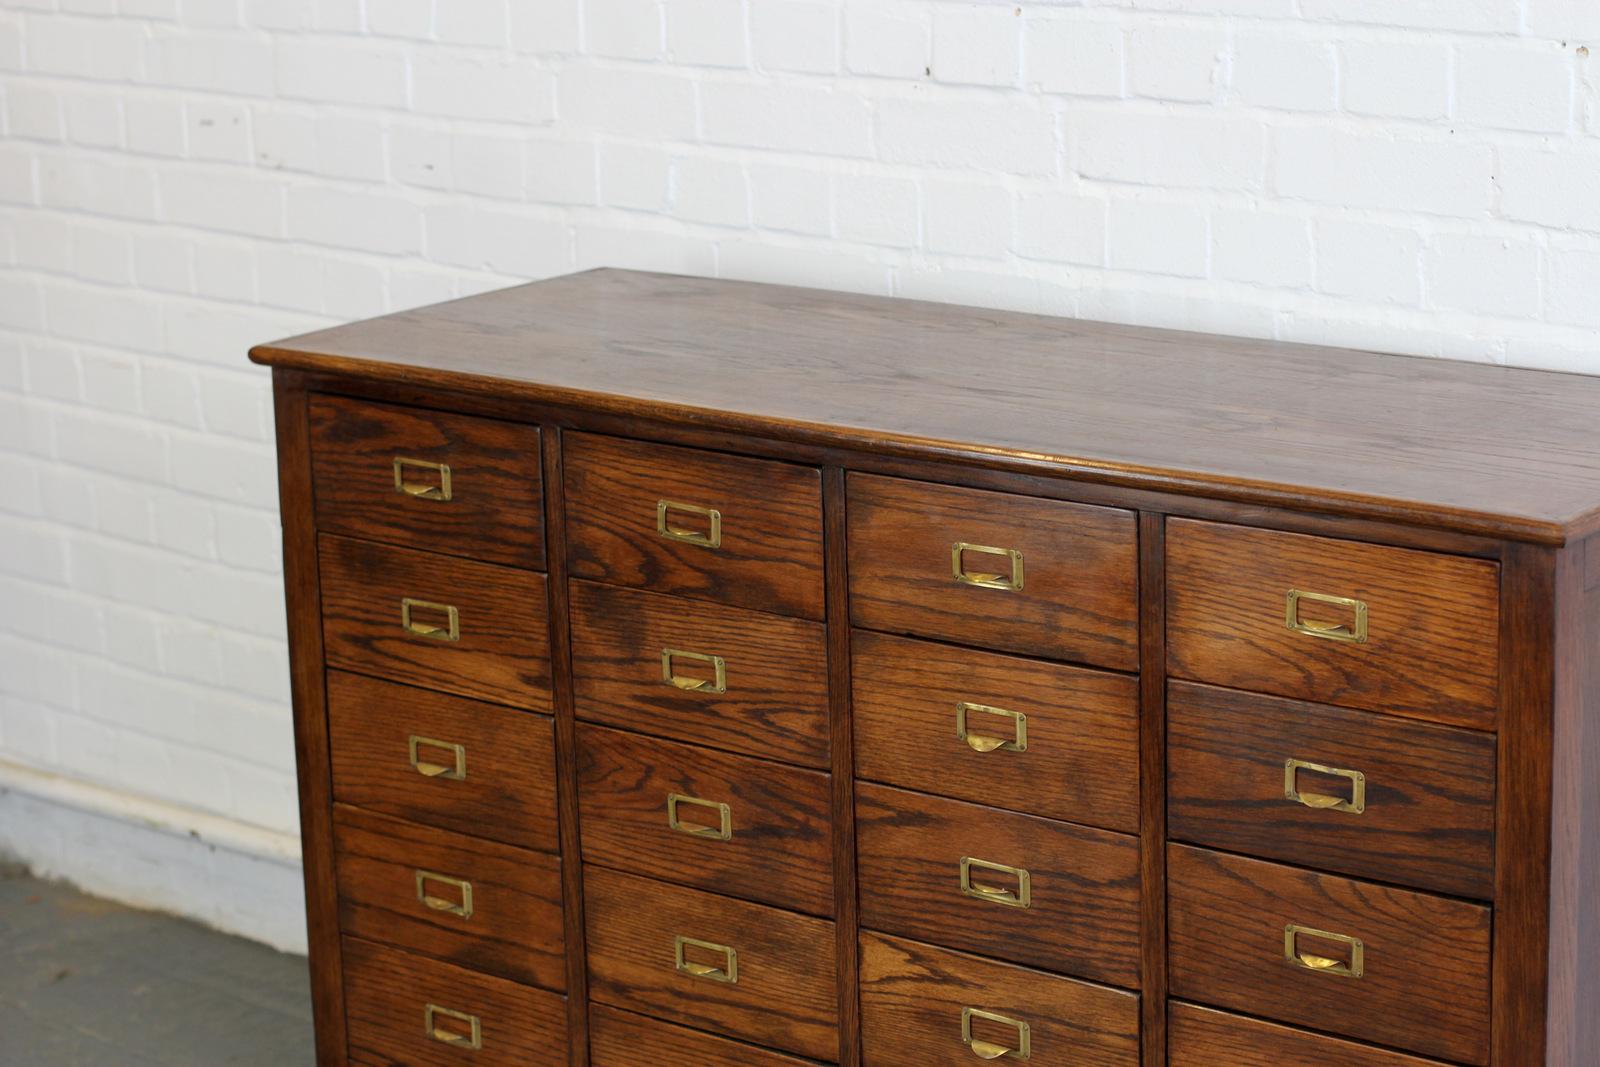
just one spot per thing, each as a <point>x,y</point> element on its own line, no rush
<point>704,673</point>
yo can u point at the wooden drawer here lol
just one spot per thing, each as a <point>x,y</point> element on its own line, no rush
<point>460,764</point>
<point>1432,622</point>
<point>773,700</point>
<point>618,1038</point>
<point>427,479</point>
<point>501,647</point>
<point>1078,565</point>
<point>915,999</point>
<point>1425,986</point>
<point>1070,736</point>
<point>641,515</point>
<point>1414,802</point>
<point>1082,885</point>
<point>475,903</point>
<point>405,1009</point>
<point>785,995</point>
<point>734,825</point>
<point>1201,1037</point>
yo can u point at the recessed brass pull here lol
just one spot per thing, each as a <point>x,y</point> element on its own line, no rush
<point>988,580</point>
<point>1021,1049</point>
<point>1019,897</point>
<point>1017,742</point>
<point>1355,804</point>
<point>461,906</point>
<point>410,608</point>
<point>1355,967</point>
<point>709,537</point>
<point>717,683</point>
<point>455,770</point>
<point>727,974</point>
<point>1355,631</point>
<point>472,1038</point>
<point>723,831</point>
<point>438,490</point>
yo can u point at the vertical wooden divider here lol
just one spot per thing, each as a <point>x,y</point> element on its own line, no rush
<point>846,909</point>
<point>1153,786</point>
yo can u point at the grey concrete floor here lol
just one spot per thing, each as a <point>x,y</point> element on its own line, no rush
<point>87,983</point>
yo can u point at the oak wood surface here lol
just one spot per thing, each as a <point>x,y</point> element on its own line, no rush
<point>1153,787</point>
<point>776,701</point>
<point>784,997</point>
<point>1204,1037</point>
<point>780,848</point>
<point>622,1039</point>
<point>1084,915</point>
<point>508,793</point>
<point>496,508</point>
<point>1082,757</point>
<point>913,995</point>
<point>1429,813</point>
<point>1078,599</point>
<point>514,927</point>
<point>503,651</point>
<point>1426,982</point>
<point>770,555</point>
<point>1432,650</point>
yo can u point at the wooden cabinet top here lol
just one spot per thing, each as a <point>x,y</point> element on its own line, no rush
<point>1467,447</point>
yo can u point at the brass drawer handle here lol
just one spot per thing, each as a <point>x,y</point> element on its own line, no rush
<point>461,906</point>
<point>723,831</point>
<point>1355,631</point>
<point>472,1039</point>
<point>410,607</point>
<point>1020,897</point>
<point>455,770</point>
<point>717,683</point>
<point>1355,967</point>
<point>438,490</point>
<point>727,973</point>
<point>1020,1049</point>
<point>1355,804</point>
<point>709,537</point>
<point>1018,742</point>
<point>986,579</point>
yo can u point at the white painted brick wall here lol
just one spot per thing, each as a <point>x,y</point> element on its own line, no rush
<point>179,179</point>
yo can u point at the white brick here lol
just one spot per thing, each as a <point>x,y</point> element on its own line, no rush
<point>1409,79</point>
<point>637,249</point>
<point>889,40</point>
<point>97,187</point>
<point>34,112</point>
<point>21,308</point>
<point>623,29</point>
<point>1061,227</point>
<point>1175,62</point>
<point>1515,87</point>
<point>635,177</point>
<point>1275,70</point>
<point>154,126</point>
<point>711,190</point>
<point>161,262</point>
<point>44,242</point>
<point>285,140</point>
<point>1573,294</point>
<point>1482,275</point>
<point>1008,135</point>
<point>223,201</point>
<point>1158,238</point>
<point>798,35</point>
<point>242,473</point>
<point>356,289</point>
<point>977,44</point>
<point>53,371</point>
<point>488,165</point>
<point>249,539</point>
<point>341,73</point>
<point>99,49</point>
<point>118,446</point>
<point>546,27</point>
<point>353,220</point>
<point>102,255</point>
<point>1552,188</point>
<point>111,381</point>
<point>1565,20</point>
<point>966,218</point>
<point>398,18</point>
<point>421,157</point>
<point>218,130</point>
<point>797,199</point>
<point>225,271</point>
<point>1262,248</point>
<point>104,316</point>
<point>472,22</point>
<point>707,33</point>
<point>786,117</point>
<point>93,118</point>
<point>1208,152</point>
<point>505,241</point>
<point>222,62</point>
<point>349,148</point>
<point>490,89</point>
<point>632,103</point>
<point>560,172</point>
<point>1473,16</point>
<point>216,13</point>
<point>877,210</point>
<point>1369,170</point>
<point>16,176</point>
<point>10,44</point>
<point>1073,55</point>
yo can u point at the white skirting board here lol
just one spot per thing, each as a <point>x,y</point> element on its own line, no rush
<point>228,875</point>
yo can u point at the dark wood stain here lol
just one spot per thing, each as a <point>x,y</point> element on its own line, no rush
<point>1204,1037</point>
<point>620,1037</point>
<point>1153,786</point>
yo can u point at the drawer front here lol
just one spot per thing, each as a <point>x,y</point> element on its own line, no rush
<point>455,625</point>
<point>1404,632</point>
<point>738,680</point>
<point>1043,577</point>
<point>738,826</point>
<point>920,1005</point>
<point>1373,796</point>
<point>1022,734</point>
<point>475,903</point>
<point>616,1039</point>
<point>459,764</point>
<point>426,479</point>
<point>957,874</point>
<point>1201,1037</point>
<point>746,532</point>
<point>744,970</point>
<point>1424,985</point>
<point>402,1008</point>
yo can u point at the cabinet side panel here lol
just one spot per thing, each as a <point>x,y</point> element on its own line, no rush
<point>1153,784</point>
<point>846,907</point>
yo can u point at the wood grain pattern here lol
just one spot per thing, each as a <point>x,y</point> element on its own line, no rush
<point>1153,787</point>
<point>496,508</point>
<point>621,1038</point>
<point>1078,600</point>
<point>913,995</point>
<point>780,851</point>
<point>1433,638</point>
<point>770,558</point>
<point>1429,816</point>
<point>389,992</point>
<point>1202,1037</point>
<point>776,703</point>
<point>508,793</point>
<point>503,653</point>
<point>1082,759</point>
<point>1084,917</point>
<point>514,929</point>
<point>1426,987</point>
<point>784,998</point>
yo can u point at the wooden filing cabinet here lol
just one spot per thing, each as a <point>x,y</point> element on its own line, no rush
<point>697,672</point>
